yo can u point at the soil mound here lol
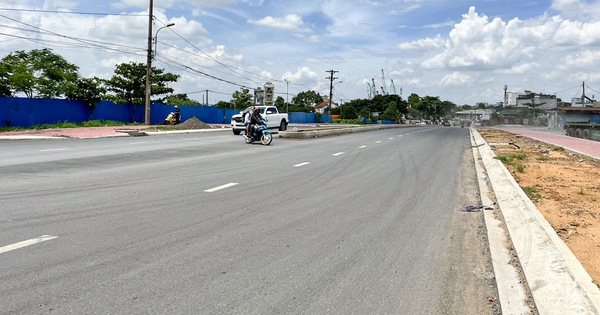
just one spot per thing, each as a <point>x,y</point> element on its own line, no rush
<point>193,123</point>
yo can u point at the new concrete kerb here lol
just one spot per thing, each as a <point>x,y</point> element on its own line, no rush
<point>558,282</point>
<point>333,131</point>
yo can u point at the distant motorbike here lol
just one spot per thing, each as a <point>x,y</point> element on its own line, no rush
<point>260,133</point>
<point>173,118</point>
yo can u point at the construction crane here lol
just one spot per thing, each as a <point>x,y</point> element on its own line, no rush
<point>393,86</point>
<point>383,83</point>
<point>374,87</point>
<point>370,91</point>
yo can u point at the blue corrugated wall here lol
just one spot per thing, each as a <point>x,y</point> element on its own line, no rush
<point>25,112</point>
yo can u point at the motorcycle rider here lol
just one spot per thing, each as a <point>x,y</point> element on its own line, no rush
<point>247,122</point>
<point>177,115</point>
<point>255,118</point>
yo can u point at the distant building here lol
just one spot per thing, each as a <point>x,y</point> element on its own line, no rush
<point>322,107</point>
<point>530,99</point>
<point>475,114</point>
<point>269,94</point>
<point>259,96</point>
<point>510,99</point>
<point>536,100</point>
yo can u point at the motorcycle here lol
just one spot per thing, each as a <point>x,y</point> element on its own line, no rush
<point>172,119</point>
<point>261,133</point>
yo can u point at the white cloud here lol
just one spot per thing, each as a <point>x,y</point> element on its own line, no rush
<point>292,22</point>
<point>478,43</point>
<point>301,74</point>
<point>577,33</point>
<point>424,44</point>
<point>456,79</point>
<point>577,9</point>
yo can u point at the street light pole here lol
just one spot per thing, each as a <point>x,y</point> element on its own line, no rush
<point>156,36</point>
<point>149,65</point>
<point>287,95</point>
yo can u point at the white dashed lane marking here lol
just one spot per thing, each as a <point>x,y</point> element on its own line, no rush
<point>337,154</point>
<point>362,147</point>
<point>26,243</point>
<point>51,150</point>
<point>221,187</point>
<point>302,164</point>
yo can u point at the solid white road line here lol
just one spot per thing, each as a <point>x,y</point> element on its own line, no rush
<point>221,187</point>
<point>26,243</point>
<point>339,153</point>
<point>50,150</point>
<point>302,164</point>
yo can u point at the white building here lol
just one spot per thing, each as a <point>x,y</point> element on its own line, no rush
<point>510,99</point>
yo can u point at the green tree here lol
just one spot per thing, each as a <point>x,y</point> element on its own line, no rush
<point>241,99</point>
<point>391,112</point>
<point>224,105</point>
<point>128,84</point>
<point>364,113</point>
<point>307,98</point>
<point>431,107</point>
<point>88,90</point>
<point>37,73</point>
<point>180,100</point>
<point>348,112</point>
<point>414,101</point>
<point>280,103</point>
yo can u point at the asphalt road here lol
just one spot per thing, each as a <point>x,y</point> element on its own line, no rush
<point>368,223</point>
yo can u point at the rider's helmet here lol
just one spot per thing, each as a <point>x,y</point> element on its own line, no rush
<point>256,108</point>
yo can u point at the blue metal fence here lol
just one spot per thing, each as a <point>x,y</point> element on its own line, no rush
<point>25,112</point>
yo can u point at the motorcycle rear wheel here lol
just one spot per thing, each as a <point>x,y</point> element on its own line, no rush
<point>266,138</point>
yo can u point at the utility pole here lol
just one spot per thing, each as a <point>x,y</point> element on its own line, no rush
<point>149,65</point>
<point>331,78</point>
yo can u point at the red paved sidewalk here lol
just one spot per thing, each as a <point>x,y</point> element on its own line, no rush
<point>80,133</point>
<point>587,147</point>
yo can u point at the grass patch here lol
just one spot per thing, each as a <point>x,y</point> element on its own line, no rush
<point>505,159</point>
<point>532,193</point>
<point>542,158</point>
<point>510,159</point>
<point>519,167</point>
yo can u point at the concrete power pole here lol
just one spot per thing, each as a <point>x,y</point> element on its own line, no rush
<point>149,66</point>
<point>331,78</point>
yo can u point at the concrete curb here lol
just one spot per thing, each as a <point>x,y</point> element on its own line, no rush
<point>317,133</point>
<point>513,293</point>
<point>558,282</point>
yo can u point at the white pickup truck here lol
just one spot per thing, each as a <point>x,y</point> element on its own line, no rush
<point>273,117</point>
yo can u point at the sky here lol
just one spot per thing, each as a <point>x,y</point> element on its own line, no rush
<point>465,52</point>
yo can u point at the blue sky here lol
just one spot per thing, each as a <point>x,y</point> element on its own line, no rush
<point>461,51</point>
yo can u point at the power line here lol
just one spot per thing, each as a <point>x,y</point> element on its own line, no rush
<point>71,12</point>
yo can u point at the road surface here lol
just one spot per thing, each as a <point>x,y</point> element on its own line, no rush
<point>368,223</point>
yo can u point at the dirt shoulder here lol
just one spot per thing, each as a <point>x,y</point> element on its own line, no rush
<point>563,185</point>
